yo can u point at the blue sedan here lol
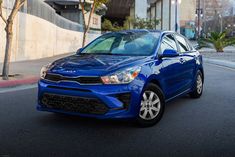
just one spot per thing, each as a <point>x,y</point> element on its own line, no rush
<point>127,74</point>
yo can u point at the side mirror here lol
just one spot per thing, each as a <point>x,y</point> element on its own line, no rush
<point>169,53</point>
<point>79,50</point>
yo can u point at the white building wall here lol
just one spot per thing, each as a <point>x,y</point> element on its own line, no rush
<point>166,13</point>
<point>95,21</point>
<point>141,8</point>
<point>36,38</point>
<point>152,12</point>
<point>158,13</point>
<point>234,7</point>
<point>165,18</point>
<point>172,17</point>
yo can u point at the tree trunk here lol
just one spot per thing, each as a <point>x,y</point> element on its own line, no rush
<point>8,49</point>
<point>84,39</point>
<point>86,30</point>
<point>84,23</point>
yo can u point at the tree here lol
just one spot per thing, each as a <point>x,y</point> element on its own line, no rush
<point>9,34</point>
<point>86,27</point>
<point>127,23</point>
<point>144,23</point>
<point>217,41</point>
<point>107,25</point>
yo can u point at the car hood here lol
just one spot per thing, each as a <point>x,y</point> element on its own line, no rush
<point>95,65</point>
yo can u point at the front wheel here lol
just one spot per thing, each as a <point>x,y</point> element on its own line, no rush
<point>151,107</point>
<point>198,86</point>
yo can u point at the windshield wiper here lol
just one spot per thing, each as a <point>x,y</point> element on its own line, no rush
<point>96,53</point>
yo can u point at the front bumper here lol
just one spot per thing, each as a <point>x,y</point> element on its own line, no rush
<point>99,101</point>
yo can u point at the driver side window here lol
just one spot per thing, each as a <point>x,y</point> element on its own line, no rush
<point>168,42</point>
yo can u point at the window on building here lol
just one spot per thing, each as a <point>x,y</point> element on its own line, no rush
<point>95,21</point>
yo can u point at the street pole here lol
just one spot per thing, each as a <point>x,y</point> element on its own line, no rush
<point>221,26</point>
<point>176,15</point>
<point>198,18</point>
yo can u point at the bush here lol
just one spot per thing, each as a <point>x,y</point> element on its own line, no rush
<point>138,23</point>
<point>217,40</point>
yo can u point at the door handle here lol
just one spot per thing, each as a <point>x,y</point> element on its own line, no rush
<point>182,60</point>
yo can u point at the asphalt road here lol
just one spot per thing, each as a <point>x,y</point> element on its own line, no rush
<point>190,127</point>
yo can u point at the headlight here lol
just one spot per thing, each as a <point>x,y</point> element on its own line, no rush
<point>44,71</point>
<point>122,77</point>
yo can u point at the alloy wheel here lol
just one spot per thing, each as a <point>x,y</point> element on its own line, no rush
<point>199,84</point>
<point>150,105</point>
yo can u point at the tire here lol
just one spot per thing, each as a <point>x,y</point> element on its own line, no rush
<point>152,103</point>
<point>197,86</point>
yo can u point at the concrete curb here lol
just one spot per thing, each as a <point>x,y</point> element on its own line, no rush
<point>214,51</point>
<point>224,63</point>
<point>20,82</point>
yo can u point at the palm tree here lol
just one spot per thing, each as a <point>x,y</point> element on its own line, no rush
<point>217,40</point>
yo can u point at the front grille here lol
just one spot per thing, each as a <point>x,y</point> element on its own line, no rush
<point>80,80</point>
<point>73,104</point>
<point>68,88</point>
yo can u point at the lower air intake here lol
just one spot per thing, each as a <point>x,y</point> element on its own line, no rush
<point>73,104</point>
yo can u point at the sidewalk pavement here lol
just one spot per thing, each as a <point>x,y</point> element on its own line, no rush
<point>27,72</point>
<point>226,58</point>
<point>224,63</point>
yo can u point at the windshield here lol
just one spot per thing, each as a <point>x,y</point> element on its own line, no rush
<point>128,43</point>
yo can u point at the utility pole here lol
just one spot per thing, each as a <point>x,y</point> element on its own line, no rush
<point>176,15</point>
<point>221,23</point>
<point>199,13</point>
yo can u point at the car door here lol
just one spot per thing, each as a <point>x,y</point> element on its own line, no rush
<point>187,60</point>
<point>171,67</point>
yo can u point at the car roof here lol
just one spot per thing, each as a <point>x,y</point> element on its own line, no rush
<point>145,30</point>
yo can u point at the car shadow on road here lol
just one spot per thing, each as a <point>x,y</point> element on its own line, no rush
<point>77,121</point>
<point>62,120</point>
<point>178,102</point>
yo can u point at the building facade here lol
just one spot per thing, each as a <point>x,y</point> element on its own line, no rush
<point>215,15</point>
<point>233,7</point>
<point>71,10</point>
<point>210,8</point>
<point>162,10</point>
<point>187,18</point>
<point>168,12</point>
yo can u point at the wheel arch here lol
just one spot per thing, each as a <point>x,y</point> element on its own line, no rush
<point>156,81</point>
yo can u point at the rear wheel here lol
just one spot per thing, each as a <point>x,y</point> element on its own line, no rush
<point>198,86</point>
<point>151,107</point>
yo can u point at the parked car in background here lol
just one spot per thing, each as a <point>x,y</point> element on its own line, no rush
<point>127,74</point>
